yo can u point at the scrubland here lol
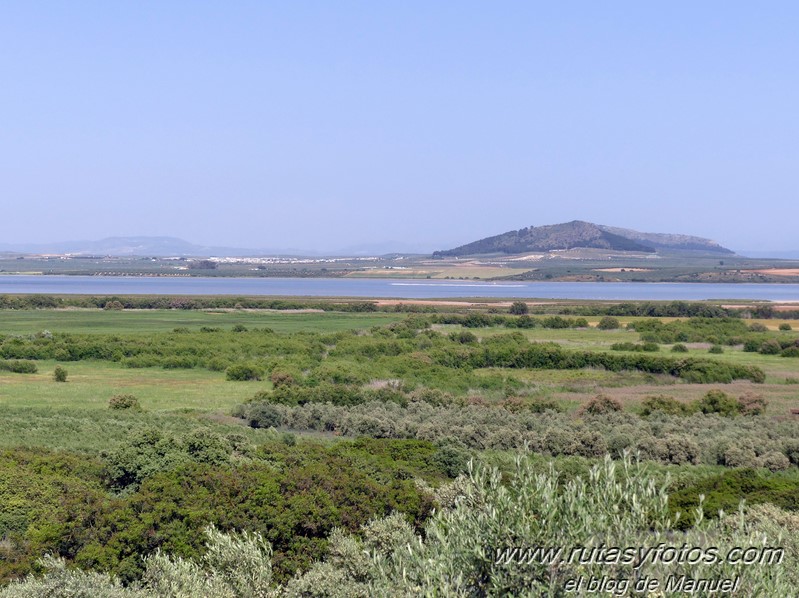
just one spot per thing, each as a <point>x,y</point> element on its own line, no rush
<point>356,452</point>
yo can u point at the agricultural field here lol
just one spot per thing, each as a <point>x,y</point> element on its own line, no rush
<point>352,450</point>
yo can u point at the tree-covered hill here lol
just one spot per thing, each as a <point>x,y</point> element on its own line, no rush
<point>577,233</point>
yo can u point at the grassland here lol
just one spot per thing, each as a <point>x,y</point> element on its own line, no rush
<point>92,382</point>
<point>96,321</point>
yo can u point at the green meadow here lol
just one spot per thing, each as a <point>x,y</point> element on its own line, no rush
<point>96,321</point>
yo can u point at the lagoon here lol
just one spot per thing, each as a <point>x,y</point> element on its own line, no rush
<point>392,288</point>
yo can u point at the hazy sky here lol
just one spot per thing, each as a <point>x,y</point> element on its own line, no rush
<point>323,125</point>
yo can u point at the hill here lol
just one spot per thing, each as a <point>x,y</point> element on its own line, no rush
<point>129,246</point>
<point>577,233</point>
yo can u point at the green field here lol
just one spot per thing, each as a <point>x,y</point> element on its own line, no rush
<point>120,322</point>
<point>91,383</point>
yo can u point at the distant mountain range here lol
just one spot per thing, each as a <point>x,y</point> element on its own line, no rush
<point>171,246</point>
<point>569,235</point>
<point>579,234</point>
<point>130,246</point>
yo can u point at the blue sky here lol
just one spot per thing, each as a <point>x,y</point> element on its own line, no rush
<point>324,125</point>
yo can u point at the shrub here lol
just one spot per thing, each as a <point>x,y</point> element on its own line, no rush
<point>785,327</point>
<point>525,322</point>
<point>114,305</point>
<point>243,371</point>
<point>771,347</point>
<point>608,323</point>
<point>626,346</point>
<point>790,352</point>
<point>752,404</point>
<point>600,404</point>
<point>681,449</point>
<point>281,378</point>
<point>791,450</point>
<point>19,366</point>
<point>663,404</point>
<point>757,327</point>
<point>239,328</point>
<point>775,461</point>
<point>540,405</point>
<point>263,415</point>
<point>740,457</point>
<point>751,346</point>
<point>518,308</point>
<point>716,349</point>
<point>452,459</point>
<point>125,401</point>
<point>717,401</point>
<point>679,348</point>
<point>217,364</point>
<point>557,441</point>
<point>464,337</point>
<point>206,447</point>
<point>59,374</point>
<point>727,489</point>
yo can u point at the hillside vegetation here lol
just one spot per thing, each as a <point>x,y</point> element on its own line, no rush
<point>577,233</point>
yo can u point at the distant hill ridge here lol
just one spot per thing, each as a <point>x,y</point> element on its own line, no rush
<point>571,235</point>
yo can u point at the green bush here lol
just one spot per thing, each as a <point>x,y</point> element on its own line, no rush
<point>124,401</point>
<point>608,323</point>
<point>785,327</point>
<point>716,349</point>
<point>717,401</point>
<point>663,404</point>
<point>464,337</point>
<point>59,374</point>
<point>243,371</point>
<point>752,345</point>
<point>771,347</point>
<point>541,405</point>
<point>263,415</point>
<point>177,363</point>
<point>679,348</point>
<point>726,491</point>
<point>19,366</point>
<point>518,308</point>
<point>626,346</point>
